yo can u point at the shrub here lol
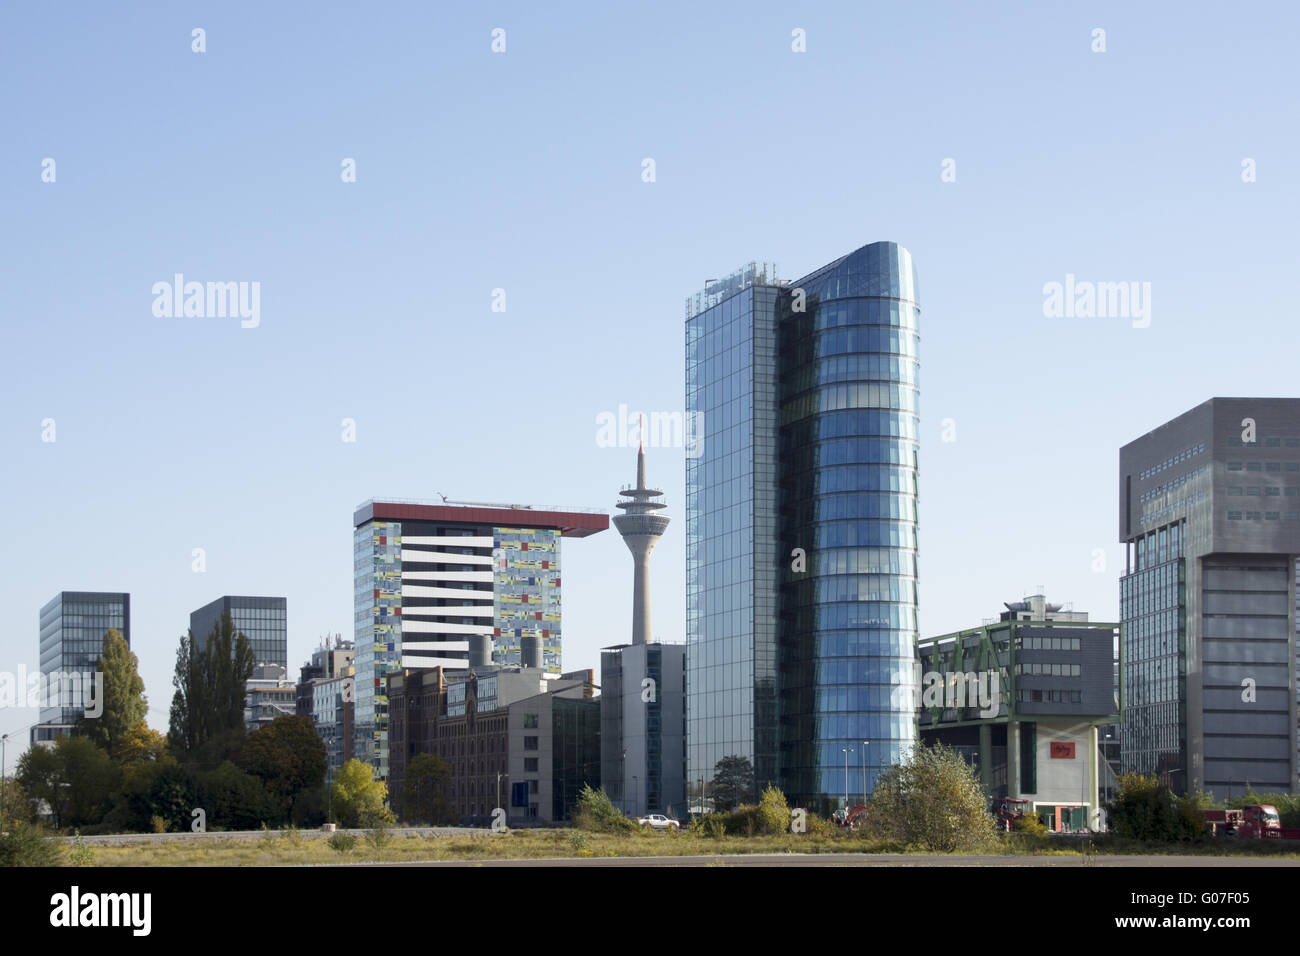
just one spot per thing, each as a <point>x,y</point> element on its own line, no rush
<point>742,821</point>
<point>595,812</point>
<point>933,801</point>
<point>709,826</point>
<point>773,812</point>
<point>157,824</point>
<point>1030,825</point>
<point>342,842</point>
<point>379,836</point>
<point>81,854</point>
<point>1145,809</point>
<point>27,844</point>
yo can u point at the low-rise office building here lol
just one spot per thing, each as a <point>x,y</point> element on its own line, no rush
<point>1022,698</point>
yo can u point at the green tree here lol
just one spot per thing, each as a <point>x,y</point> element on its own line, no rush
<point>75,778</point>
<point>357,798</point>
<point>15,805</point>
<point>426,791</point>
<point>141,744</point>
<point>733,782</point>
<point>934,801</point>
<point>1145,809</point>
<point>124,703</point>
<point>236,800</point>
<point>208,703</point>
<point>773,811</point>
<point>288,756</point>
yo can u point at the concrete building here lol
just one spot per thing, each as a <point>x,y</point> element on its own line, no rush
<point>73,625</point>
<point>1210,519</point>
<point>263,620</point>
<point>1022,698</point>
<point>643,728</point>
<point>801,520</point>
<point>434,581</point>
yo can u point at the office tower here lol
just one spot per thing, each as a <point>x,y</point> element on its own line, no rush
<point>435,582</point>
<point>1210,519</point>
<point>73,625</point>
<point>641,529</point>
<point>260,619</point>
<point>801,520</point>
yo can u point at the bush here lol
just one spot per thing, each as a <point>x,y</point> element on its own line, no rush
<point>342,842</point>
<point>81,855</point>
<point>27,844</point>
<point>1030,825</point>
<point>595,812</point>
<point>379,836</point>
<point>742,821</point>
<point>773,812</point>
<point>1145,809</point>
<point>157,824</point>
<point>933,801</point>
<point>708,825</point>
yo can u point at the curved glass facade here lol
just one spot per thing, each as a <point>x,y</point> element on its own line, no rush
<point>848,447</point>
<point>808,392</point>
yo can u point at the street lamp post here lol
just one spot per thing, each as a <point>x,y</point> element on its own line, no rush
<point>845,751</point>
<point>4,738</point>
<point>864,770</point>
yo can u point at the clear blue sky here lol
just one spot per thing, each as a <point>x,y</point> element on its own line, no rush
<point>522,171</point>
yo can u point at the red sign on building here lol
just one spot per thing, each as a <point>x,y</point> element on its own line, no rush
<point>1062,750</point>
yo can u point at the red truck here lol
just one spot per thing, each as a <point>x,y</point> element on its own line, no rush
<point>1257,821</point>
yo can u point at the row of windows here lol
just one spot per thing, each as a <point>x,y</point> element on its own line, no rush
<point>1264,516</point>
<point>1175,460</point>
<point>1049,696</point>
<point>1171,485</point>
<point>1152,516</point>
<point>1048,670</point>
<point>1255,491</point>
<point>832,398</point>
<point>1274,467</point>
<point>1048,643</point>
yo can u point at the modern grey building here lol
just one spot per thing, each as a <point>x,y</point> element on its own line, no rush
<point>260,619</point>
<point>1210,516</point>
<point>73,625</point>
<point>643,727</point>
<point>1037,734</point>
<point>801,520</point>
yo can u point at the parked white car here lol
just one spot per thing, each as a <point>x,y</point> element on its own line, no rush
<point>657,821</point>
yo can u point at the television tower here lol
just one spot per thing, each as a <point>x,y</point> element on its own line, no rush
<point>641,529</point>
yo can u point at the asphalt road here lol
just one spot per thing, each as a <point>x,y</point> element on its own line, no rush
<point>874,860</point>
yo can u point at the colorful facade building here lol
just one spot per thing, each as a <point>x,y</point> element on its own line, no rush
<point>433,582</point>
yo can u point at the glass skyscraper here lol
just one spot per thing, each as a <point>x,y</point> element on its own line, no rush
<point>260,619</point>
<point>73,625</point>
<point>801,522</point>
